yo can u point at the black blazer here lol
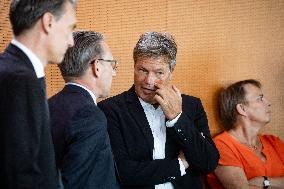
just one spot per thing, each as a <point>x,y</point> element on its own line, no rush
<point>132,144</point>
<point>81,141</point>
<point>26,150</point>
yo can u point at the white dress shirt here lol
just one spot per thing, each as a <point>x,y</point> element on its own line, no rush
<point>37,64</point>
<point>156,120</point>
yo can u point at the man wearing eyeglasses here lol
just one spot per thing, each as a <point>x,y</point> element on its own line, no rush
<point>160,138</point>
<point>79,127</point>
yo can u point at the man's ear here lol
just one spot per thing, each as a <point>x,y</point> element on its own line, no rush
<point>96,69</point>
<point>47,21</point>
<point>171,71</point>
<point>173,68</point>
<point>241,109</point>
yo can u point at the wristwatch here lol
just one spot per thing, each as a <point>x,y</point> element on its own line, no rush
<point>266,182</point>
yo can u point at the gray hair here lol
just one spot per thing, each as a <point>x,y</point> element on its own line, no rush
<point>87,47</point>
<point>155,44</point>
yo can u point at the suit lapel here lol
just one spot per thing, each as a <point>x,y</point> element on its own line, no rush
<point>139,116</point>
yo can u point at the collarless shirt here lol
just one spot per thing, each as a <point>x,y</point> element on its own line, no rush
<point>88,90</point>
<point>157,123</point>
<point>37,64</point>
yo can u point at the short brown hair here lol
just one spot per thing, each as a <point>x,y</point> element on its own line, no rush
<point>230,97</point>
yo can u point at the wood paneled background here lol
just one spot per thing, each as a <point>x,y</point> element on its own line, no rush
<point>219,42</point>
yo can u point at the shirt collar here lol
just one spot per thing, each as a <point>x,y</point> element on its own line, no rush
<point>147,105</point>
<point>88,90</point>
<point>37,64</point>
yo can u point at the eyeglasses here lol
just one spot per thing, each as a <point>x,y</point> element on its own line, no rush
<point>114,63</point>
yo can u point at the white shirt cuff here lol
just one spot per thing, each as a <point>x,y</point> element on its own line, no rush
<point>181,167</point>
<point>173,122</point>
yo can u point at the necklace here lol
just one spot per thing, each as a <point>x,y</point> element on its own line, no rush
<point>254,147</point>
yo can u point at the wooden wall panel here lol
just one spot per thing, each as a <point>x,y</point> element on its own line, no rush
<point>219,42</point>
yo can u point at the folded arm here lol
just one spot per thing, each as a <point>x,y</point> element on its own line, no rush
<point>233,177</point>
<point>192,132</point>
<point>135,171</point>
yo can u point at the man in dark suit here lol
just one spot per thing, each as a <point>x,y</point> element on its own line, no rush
<point>160,138</point>
<point>79,127</point>
<point>26,151</point>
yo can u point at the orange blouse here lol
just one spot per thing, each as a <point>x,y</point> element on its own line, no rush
<point>233,153</point>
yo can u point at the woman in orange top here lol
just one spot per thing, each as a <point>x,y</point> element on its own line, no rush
<point>247,159</point>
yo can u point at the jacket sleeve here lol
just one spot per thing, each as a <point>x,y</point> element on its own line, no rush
<point>134,170</point>
<point>192,132</point>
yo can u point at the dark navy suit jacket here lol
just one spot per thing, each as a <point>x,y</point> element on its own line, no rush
<point>132,143</point>
<point>27,157</point>
<point>81,141</point>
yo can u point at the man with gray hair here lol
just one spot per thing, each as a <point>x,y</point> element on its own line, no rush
<point>42,33</point>
<point>160,138</point>
<point>79,127</point>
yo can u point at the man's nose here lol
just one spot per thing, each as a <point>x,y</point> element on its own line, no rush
<point>150,78</point>
<point>114,72</point>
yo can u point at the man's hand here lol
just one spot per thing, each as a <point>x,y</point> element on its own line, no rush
<point>169,98</point>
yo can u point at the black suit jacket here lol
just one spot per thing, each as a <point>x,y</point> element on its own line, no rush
<point>82,147</point>
<point>132,144</point>
<point>26,151</point>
